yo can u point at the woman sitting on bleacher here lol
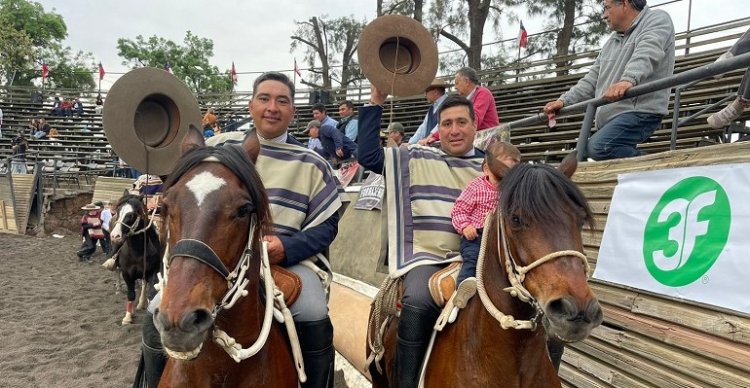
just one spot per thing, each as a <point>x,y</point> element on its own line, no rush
<point>42,129</point>
<point>725,116</point>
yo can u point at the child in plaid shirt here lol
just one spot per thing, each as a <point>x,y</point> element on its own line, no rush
<point>474,204</point>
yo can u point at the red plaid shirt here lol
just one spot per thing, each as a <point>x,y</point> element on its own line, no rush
<point>475,202</point>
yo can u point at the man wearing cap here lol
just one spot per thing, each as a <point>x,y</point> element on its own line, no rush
<point>435,95</point>
<point>421,186</point>
<point>395,134</point>
<point>336,146</point>
<point>304,206</point>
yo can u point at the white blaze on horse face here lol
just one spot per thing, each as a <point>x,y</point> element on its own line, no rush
<point>204,184</point>
<point>117,230</point>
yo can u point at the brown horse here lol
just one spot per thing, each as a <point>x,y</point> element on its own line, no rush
<point>212,204</point>
<point>533,250</point>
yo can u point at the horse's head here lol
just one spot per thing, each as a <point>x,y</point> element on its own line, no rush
<point>210,204</point>
<point>542,216</point>
<point>130,217</point>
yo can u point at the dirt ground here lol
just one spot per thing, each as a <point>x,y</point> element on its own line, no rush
<point>60,318</point>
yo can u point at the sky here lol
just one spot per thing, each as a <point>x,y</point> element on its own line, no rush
<point>255,34</point>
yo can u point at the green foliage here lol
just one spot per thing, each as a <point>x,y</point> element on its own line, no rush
<point>330,48</point>
<point>26,31</point>
<point>190,61</point>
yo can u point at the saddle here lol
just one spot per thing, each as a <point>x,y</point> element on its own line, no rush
<point>442,283</point>
<point>288,282</point>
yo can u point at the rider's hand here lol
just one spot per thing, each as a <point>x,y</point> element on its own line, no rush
<point>376,96</point>
<point>276,252</point>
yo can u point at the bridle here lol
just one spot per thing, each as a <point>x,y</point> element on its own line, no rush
<point>516,276</point>
<point>236,284</point>
<point>132,231</point>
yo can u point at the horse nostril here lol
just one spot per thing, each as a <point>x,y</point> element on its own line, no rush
<point>196,321</point>
<point>161,321</point>
<point>563,308</point>
<point>593,312</point>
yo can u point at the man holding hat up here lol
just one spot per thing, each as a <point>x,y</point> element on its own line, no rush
<point>303,228</point>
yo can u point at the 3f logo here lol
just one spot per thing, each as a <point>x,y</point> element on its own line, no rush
<point>686,231</point>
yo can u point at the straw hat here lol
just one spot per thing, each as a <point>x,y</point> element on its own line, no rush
<point>398,55</point>
<point>437,83</point>
<point>90,207</point>
<point>147,113</point>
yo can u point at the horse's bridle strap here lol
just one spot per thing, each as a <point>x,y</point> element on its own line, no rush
<point>198,250</point>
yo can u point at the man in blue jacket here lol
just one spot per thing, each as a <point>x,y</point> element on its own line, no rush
<point>335,144</point>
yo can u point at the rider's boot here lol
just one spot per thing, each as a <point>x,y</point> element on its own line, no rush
<point>414,332</point>
<point>154,358</point>
<point>316,343</point>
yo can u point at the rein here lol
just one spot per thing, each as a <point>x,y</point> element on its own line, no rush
<point>516,275</point>
<point>135,223</point>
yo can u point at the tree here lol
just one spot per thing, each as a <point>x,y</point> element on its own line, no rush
<point>450,19</point>
<point>582,28</point>
<point>189,61</point>
<point>324,41</point>
<point>413,8</point>
<point>67,69</point>
<point>26,30</point>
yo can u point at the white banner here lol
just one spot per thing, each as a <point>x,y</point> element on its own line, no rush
<point>681,232</point>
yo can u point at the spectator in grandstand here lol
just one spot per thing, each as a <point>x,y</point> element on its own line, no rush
<point>314,142</point>
<point>19,146</point>
<point>336,146</point>
<point>67,108</point>
<point>485,112</point>
<point>57,107</point>
<point>78,107</point>
<point>640,50</point>
<point>99,104</point>
<point>395,134</point>
<point>725,116</point>
<point>319,113</point>
<point>209,118</point>
<point>435,95</point>
<point>348,124</point>
<point>42,130</point>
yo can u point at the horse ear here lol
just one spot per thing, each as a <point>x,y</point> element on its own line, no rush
<point>126,192</point>
<point>193,139</point>
<point>252,145</point>
<point>569,165</point>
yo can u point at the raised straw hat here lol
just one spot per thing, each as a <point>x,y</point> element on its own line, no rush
<point>398,55</point>
<point>146,115</point>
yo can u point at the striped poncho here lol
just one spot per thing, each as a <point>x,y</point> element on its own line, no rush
<point>299,184</point>
<point>422,185</point>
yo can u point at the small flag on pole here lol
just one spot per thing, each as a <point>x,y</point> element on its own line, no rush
<point>296,68</point>
<point>233,73</point>
<point>45,71</point>
<point>168,68</point>
<point>523,37</point>
<point>101,71</point>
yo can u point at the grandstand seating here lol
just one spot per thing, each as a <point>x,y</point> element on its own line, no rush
<point>520,90</point>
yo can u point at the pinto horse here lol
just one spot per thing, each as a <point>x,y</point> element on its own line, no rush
<point>532,272</point>
<point>216,212</point>
<point>140,249</point>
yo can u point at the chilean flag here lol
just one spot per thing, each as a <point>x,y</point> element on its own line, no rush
<point>45,71</point>
<point>101,71</point>
<point>523,37</point>
<point>233,74</point>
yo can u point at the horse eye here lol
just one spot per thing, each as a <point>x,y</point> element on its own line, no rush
<point>515,220</point>
<point>245,210</point>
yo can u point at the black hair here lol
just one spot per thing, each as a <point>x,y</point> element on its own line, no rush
<point>349,104</point>
<point>275,76</point>
<point>320,107</point>
<point>452,101</point>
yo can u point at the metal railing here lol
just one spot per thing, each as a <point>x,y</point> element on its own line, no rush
<point>590,106</point>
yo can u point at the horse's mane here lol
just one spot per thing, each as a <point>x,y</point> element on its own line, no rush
<point>235,159</point>
<point>132,199</point>
<point>538,193</point>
